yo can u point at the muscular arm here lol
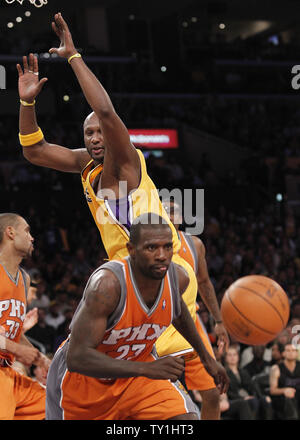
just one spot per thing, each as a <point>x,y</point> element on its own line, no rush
<point>102,297</point>
<point>120,152</point>
<point>103,294</point>
<point>43,153</point>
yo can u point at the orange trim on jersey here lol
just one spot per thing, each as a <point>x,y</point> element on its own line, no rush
<point>185,251</point>
<point>12,306</point>
<point>138,328</point>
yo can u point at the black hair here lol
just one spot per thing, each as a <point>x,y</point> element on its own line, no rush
<point>147,220</point>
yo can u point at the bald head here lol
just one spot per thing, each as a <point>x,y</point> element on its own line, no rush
<point>90,117</point>
<point>15,236</point>
<point>8,219</point>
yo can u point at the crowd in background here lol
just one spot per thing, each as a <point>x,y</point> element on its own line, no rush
<point>243,233</point>
<point>68,248</point>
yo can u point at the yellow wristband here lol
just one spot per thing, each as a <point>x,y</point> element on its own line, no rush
<point>76,55</point>
<point>27,104</point>
<point>26,140</point>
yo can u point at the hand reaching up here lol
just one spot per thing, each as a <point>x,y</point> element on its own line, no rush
<point>29,84</point>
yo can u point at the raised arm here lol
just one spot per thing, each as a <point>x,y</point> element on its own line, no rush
<point>119,150</point>
<point>185,325</point>
<point>41,152</point>
<point>102,297</point>
<point>208,295</point>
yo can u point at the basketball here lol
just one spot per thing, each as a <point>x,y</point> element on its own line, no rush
<point>255,309</point>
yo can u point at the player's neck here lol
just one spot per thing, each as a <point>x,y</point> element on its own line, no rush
<point>10,261</point>
<point>146,285</point>
<point>97,162</point>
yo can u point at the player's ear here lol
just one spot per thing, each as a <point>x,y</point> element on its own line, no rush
<point>131,249</point>
<point>10,232</point>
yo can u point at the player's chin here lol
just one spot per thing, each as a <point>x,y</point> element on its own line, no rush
<point>158,274</point>
<point>99,157</point>
<point>98,154</point>
<point>30,252</point>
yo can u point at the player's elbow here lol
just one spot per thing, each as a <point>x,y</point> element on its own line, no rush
<point>32,153</point>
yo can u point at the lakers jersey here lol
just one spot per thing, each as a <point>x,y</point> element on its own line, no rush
<point>144,199</point>
<point>12,306</point>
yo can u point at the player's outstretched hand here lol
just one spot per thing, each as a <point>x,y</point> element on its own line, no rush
<point>165,368</point>
<point>29,84</point>
<point>60,27</point>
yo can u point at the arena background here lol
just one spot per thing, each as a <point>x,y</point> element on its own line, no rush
<point>217,72</point>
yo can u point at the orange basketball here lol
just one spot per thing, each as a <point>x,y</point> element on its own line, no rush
<point>255,309</point>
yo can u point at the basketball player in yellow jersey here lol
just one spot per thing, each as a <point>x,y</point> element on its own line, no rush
<point>116,184</point>
<point>196,378</point>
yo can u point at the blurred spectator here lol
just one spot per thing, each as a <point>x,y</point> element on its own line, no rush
<point>42,332</point>
<point>63,329</point>
<point>258,365</point>
<point>80,264</point>
<point>247,355</point>
<point>41,300</point>
<point>66,285</point>
<point>277,350</point>
<point>236,409</point>
<point>242,387</point>
<point>285,385</point>
<point>54,317</point>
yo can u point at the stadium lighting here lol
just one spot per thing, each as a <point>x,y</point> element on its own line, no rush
<point>27,14</point>
<point>163,68</point>
<point>10,25</point>
<point>36,3</point>
<point>222,26</point>
<point>18,19</point>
